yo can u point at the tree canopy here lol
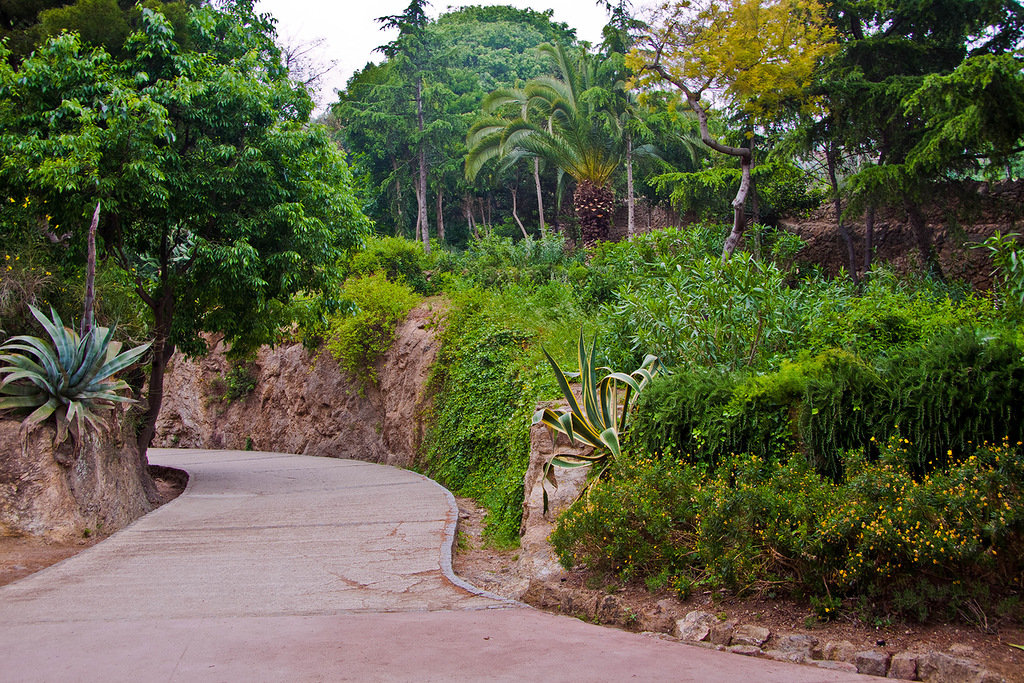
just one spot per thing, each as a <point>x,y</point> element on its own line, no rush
<point>217,196</point>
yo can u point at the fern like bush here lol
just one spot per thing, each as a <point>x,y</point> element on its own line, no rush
<point>71,377</point>
<point>360,337</point>
<point>951,394</point>
<point>816,406</point>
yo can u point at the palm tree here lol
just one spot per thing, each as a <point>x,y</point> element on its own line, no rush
<point>555,122</point>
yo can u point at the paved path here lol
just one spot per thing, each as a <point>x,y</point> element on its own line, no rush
<point>275,567</point>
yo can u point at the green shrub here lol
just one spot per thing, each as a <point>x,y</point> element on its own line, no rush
<point>890,316</point>
<point>959,389</point>
<point>913,548</point>
<point>817,406</point>
<point>400,260</point>
<point>359,338</point>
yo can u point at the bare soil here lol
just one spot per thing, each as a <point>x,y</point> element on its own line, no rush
<point>495,570</point>
<point>24,555</point>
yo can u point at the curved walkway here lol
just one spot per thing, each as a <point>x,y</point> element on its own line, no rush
<point>277,567</point>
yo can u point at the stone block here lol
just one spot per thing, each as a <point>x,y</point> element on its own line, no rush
<point>903,666</point>
<point>839,651</point>
<point>748,634</point>
<point>801,644</point>
<point>695,626</point>
<point>938,667</point>
<point>872,662</point>
<point>721,632</point>
<point>748,650</point>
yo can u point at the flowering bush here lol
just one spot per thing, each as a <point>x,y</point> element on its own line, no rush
<point>950,541</point>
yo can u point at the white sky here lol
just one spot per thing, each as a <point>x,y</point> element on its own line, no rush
<point>351,33</point>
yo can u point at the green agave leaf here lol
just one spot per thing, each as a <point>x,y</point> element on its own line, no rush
<point>35,378</point>
<point>38,348</point>
<point>64,340</point>
<point>569,461</point>
<point>19,389</point>
<point>563,384</point>
<point>628,380</point>
<point>28,401</point>
<point>610,438</point>
<point>40,414</point>
<point>21,362</point>
<point>122,361</point>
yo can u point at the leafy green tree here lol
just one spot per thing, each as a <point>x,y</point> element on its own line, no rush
<point>410,53</point>
<point>472,51</point>
<point>218,198</point>
<point>27,24</point>
<point>753,56</point>
<point>920,94</point>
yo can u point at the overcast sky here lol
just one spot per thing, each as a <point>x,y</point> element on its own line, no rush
<point>351,33</point>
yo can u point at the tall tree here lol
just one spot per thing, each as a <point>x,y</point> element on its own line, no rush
<point>410,51</point>
<point>922,93</point>
<point>750,57</point>
<point>219,200</point>
<point>572,137</point>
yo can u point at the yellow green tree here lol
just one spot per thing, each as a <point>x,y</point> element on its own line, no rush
<point>752,59</point>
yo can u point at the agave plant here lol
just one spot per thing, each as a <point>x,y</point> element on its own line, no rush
<point>598,418</point>
<point>70,379</point>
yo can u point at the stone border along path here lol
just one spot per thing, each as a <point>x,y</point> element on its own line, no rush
<point>275,567</point>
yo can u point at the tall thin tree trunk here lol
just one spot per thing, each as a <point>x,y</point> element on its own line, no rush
<point>467,210</point>
<point>515,214</point>
<point>398,198</point>
<point>869,239</point>
<point>90,275</point>
<point>630,199</point>
<point>421,183</point>
<point>837,206</point>
<point>440,214</point>
<point>923,235</point>
<point>540,196</point>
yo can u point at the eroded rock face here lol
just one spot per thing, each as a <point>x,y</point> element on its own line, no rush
<point>537,558</point>
<point>303,403</point>
<point>59,493</point>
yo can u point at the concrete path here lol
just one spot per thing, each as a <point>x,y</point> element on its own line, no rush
<point>275,567</point>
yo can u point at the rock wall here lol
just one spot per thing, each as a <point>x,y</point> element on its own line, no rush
<point>303,402</point>
<point>59,493</point>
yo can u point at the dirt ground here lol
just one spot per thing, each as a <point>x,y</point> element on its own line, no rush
<point>24,555</point>
<point>494,570</point>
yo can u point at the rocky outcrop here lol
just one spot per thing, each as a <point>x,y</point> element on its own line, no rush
<point>303,403</point>
<point>536,557</point>
<point>60,492</point>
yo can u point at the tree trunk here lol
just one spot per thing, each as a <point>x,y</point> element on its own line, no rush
<point>421,182</point>
<point>869,239</point>
<point>467,210</point>
<point>400,223</point>
<point>440,214</point>
<point>739,218</point>
<point>630,199</point>
<point>515,214</point>
<point>593,204</point>
<point>540,196</point>
<point>745,154</point>
<point>90,274</point>
<point>923,236</point>
<point>837,206</point>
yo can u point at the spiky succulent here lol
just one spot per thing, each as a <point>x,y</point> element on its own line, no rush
<point>71,378</point>
<point>598,418</point>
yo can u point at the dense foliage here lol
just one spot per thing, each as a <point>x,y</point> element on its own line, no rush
<point>219,202</point>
